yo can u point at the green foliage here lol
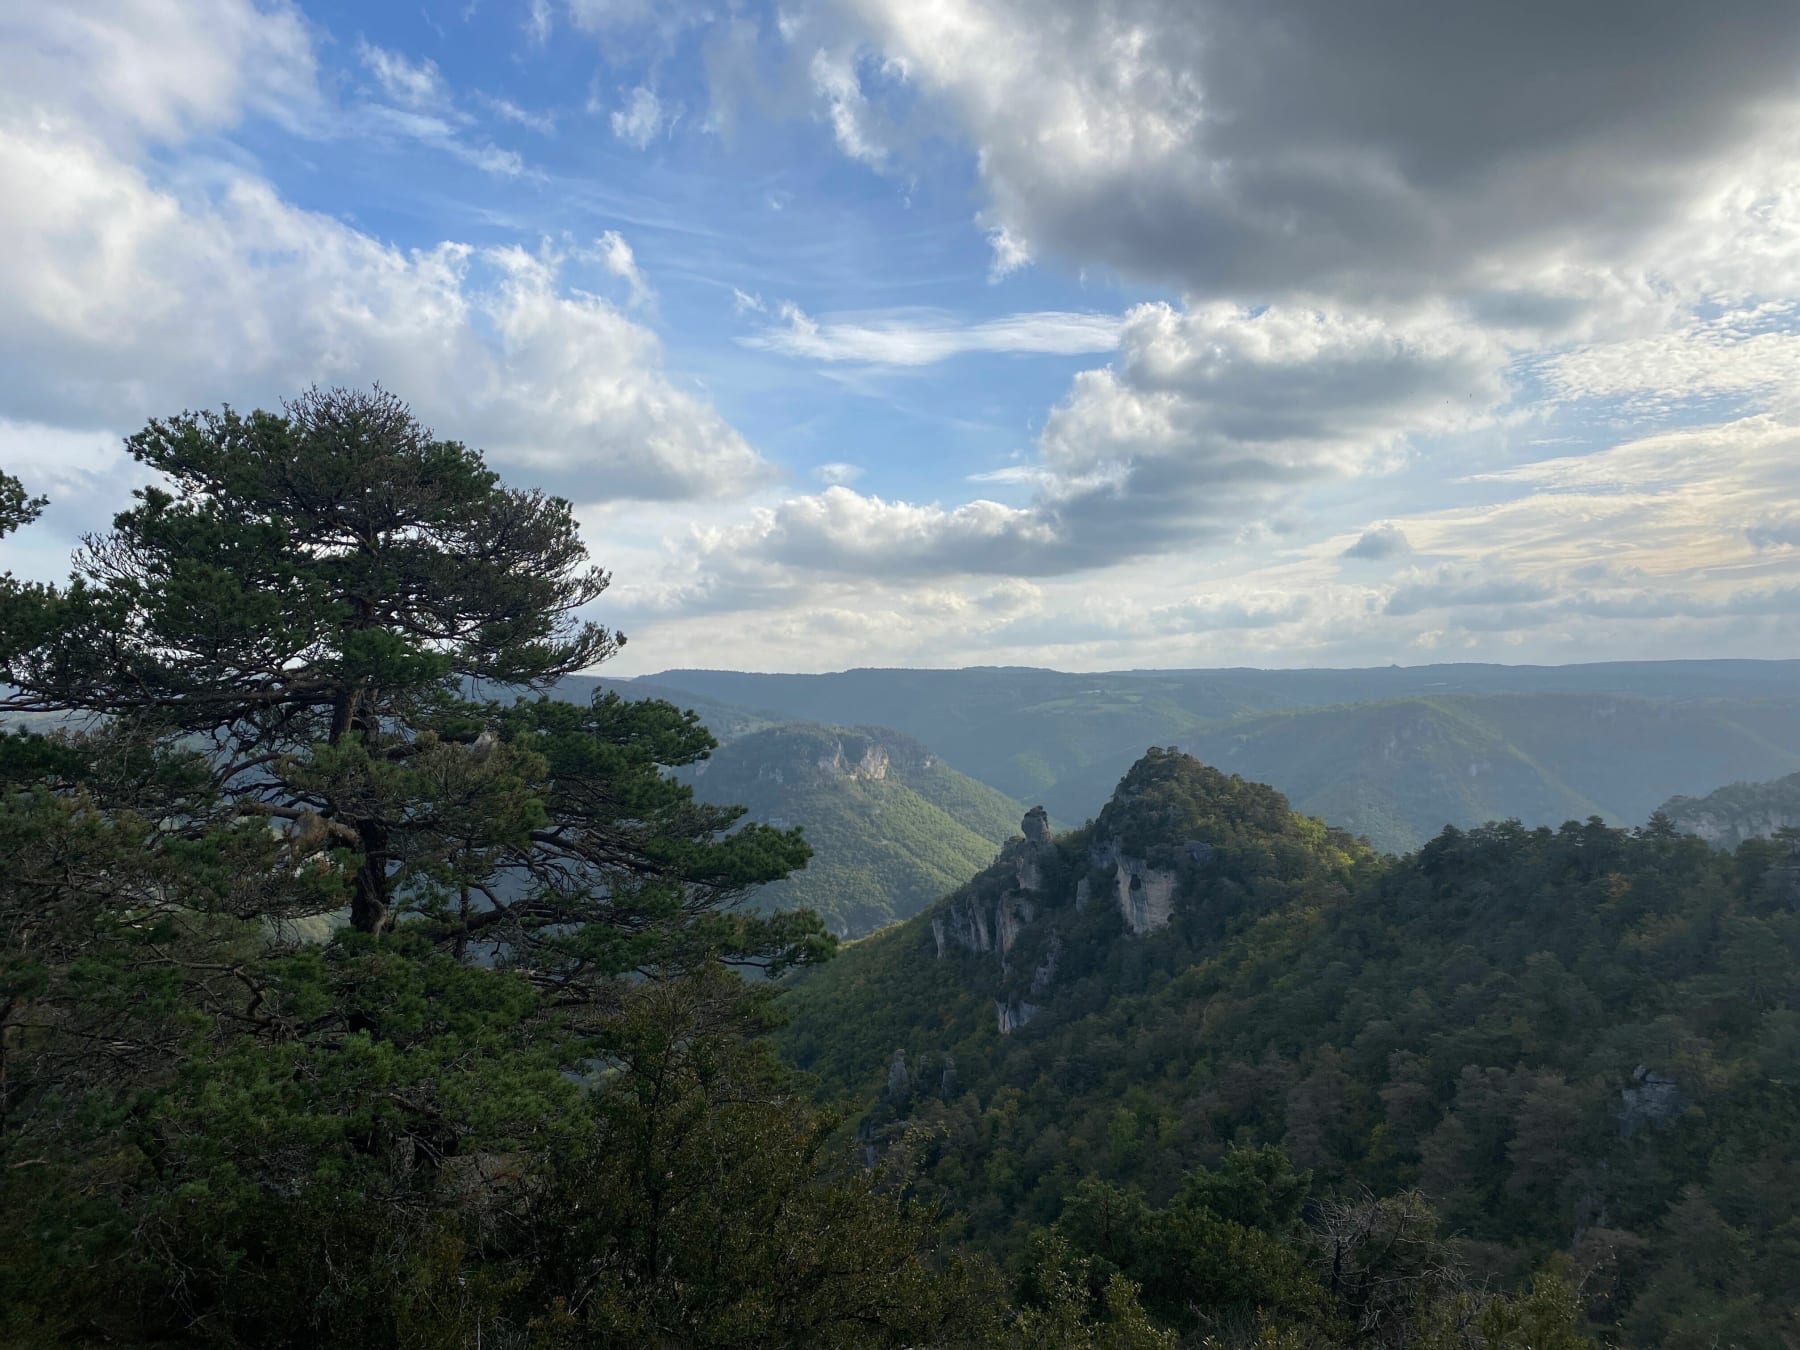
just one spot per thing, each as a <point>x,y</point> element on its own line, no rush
<point>521,1099</point>
<point>308,607</point>
<point>891,826</point>
<point>16,509</point>
<point>1556,1035</point>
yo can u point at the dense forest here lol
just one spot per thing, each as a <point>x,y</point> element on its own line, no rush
<point>1570,1050</point>
<point>356,991</point>
<point>515,1098</point>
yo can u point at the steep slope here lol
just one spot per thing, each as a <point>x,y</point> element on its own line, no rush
<point>1583,1040</point>
<point>1727,817</point>
<point>891,825</point>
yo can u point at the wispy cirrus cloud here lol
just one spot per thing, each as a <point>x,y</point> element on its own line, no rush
<point>909,338</point>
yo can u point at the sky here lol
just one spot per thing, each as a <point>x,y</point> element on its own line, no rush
<point>1146,333</point>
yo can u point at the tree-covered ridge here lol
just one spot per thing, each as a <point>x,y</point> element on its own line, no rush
<point>1392,754</point>
<point>1727,817</point>
<point>1398,772</point>
<point>891,826</point>
<point>1577,1043</point>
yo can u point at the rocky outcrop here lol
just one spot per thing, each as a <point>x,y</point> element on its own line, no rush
<point>1146,895</point>
<point>1012,1014</point>
<point>898,1080</point>
<point>1731,815</point>
<point>1011,915</point>
<point>988,917</point>
<point>963,923</point>
<point>871,763</point>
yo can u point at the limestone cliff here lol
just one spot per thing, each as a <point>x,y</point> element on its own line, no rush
<point>1729,816</point>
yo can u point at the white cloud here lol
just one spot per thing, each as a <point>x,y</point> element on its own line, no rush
<point>838,474</point>
<point>1202,432</point>
<point>1010,253</point>
<point>1751,350</point>
<point>1263,147</point>
<point>641,119</point>
<point>1647,547</point>
<point>507,111</point>
<point>914,338</point>
<point>616,256</point>
<point>413,84</point>
<point>137,288</point>
<point>852,121</point>
<point>1378,543</point>
<point>143,69</point>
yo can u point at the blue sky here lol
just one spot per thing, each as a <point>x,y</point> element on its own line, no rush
<point>945,332</point>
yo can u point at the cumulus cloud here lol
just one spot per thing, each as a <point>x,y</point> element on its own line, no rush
<point>1010,253</point>
<point>838,474</point>
<point>133,289</point>
<point>1378,543</point>
<point>131,70</point>
<point>1200,431</point>
<point>1249,146</point>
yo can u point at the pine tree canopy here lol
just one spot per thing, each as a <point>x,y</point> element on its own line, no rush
<point>348,621</point>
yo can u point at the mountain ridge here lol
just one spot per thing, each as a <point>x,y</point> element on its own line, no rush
<point>1578,1041</point>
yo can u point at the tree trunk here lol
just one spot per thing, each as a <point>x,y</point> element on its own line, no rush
<point>369,903</point>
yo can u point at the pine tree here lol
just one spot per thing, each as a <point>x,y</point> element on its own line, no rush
<point>349,618</point>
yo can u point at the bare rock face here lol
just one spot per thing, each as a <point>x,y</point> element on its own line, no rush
<point>1014,1014</point>
<point>1146,895</point>
<point>964,923</point>
<point>1027,871</point>
<point>871,764</point>
<point>1011,914</point>
<point>1036,826</point>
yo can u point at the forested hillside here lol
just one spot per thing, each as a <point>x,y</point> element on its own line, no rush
<point>1399,772</point>
<point>1580,1045</point>
<point>1393,754</point>
<point>891,826</point>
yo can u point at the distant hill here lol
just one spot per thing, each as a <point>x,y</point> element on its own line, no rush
<point>1740,811</point>
<point>725,721</point>
<point>1394,753</point>
<point>1398,772</point>
<point>1580,1044</point>
<point>891,825</point>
